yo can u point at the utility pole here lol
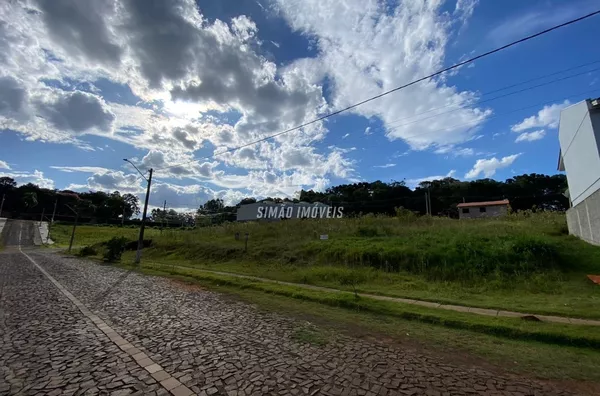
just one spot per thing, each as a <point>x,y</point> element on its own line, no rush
<point>74,226</point>
<point>54,211</point>
<point>429,201</point>
<point>138,255</point>
<point>2,204</point>
<point>123,215</point>
<point>426,204</point>
<point>163,217</point>
<point>42,218</point>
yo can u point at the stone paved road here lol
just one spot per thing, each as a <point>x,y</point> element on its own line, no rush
<point>47,347</point>
<point>212,345</point>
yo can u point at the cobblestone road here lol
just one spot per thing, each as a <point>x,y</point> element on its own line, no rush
<point>211,344</point>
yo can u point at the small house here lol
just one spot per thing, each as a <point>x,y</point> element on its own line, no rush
<point>476,210</point>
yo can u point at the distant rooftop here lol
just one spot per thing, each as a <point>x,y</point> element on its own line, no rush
<point>485,203</point>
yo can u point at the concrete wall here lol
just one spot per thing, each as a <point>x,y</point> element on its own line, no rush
<point>579,134</point>
<point>583,220</point>
<point>249,212</point>
<point>490,211</point>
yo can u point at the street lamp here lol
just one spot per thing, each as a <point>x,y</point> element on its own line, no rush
<point>136,168</point>
<point>138,254</point>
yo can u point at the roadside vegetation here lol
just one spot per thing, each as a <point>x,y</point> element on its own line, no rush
<point>524,262</point>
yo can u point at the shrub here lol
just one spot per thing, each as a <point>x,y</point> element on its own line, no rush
<point>405,214</point>
<point>88,251</point>
<point>367,232</point>
<point>114,249</point>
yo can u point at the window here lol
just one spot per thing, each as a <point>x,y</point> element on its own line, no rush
<point>465,210</point>
<point>482,209</point>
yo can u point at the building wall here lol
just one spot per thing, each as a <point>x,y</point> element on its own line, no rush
<point>583,220</point>
<point>249,212</point>
<point>491,211</point>
<point>579,134</point>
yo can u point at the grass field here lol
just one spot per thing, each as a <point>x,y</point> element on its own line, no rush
<point>525,263</point>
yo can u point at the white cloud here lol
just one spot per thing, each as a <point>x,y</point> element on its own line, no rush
<point>548,117</point>
<point>35,177</point>
<point>84,169</point>
<point>415,182</point>
<point>455,151</point>
<point>197,65</point>
<point>111,181</point>
<point>385,166</point>
<point>368,131</point>
<point>180,73</point>
<point>368,46</point>
<point>531,136</point>
<point>345,136</point>
<point>521,23</point>
<point>4,165</point>
<point>488,167</point>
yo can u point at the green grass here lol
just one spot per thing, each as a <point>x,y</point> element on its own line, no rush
<point>520,263</point>
<point>322,321</point>
<point>86,235</point>
<point>311,334</point>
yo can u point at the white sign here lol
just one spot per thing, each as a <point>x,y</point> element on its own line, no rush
<point>324,237</point>
<point>300,212</point>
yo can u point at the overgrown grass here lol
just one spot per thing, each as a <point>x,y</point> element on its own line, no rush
<point>522,263</point>
<point>86,235</point>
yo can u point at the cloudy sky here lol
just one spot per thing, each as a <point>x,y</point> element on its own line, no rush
<point>178,85</point>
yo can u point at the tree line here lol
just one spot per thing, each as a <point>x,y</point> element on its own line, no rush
<point>528,191</point>
<point>29,201</point>
<point>525,192</point>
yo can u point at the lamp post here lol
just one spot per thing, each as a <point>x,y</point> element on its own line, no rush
<point>138,254</point>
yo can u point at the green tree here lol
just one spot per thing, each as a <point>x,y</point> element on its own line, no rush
<point>212,206</point>
<point>30,200</point>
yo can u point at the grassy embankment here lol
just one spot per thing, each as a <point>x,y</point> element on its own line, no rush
<point>519,263</point>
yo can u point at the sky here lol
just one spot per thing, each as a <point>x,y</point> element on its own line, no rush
<point>178,86</point>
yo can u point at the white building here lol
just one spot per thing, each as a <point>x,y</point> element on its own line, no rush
<point>579,136</point>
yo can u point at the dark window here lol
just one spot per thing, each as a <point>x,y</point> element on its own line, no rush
<point>482,209</point>
<point>465,210</point>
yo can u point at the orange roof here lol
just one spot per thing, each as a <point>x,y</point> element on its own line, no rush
<point>487,203</point>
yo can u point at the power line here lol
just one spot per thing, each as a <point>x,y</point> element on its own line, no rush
<point>504,88</point>
<point>490,99</point>
<point>439,72</point>
<point>471,124</point>
<point>494,116</point>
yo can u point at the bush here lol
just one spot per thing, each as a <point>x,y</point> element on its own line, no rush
<point>88,251</point>
<point>405,214</point>
<point>367,232</point>
<point>114,249</point>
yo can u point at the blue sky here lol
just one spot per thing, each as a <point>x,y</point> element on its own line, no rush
<point>179,85</point>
